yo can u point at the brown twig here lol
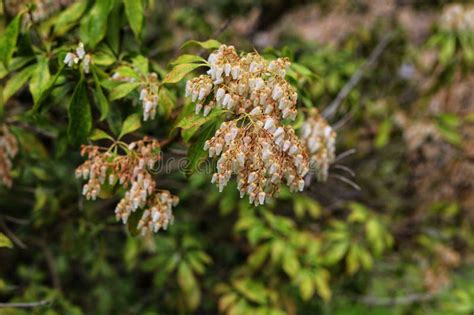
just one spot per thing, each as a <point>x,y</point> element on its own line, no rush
<point>331,110</point>
<point>12,235</point>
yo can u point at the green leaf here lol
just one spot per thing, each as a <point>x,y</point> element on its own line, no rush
<point>180,71</point>
<point>196,152</point>
<point>40,78</point>
<point>5,241</point>
<point>16,82</point>
<point>321,280</point>
<point>130,124</point>
<point>134,12</point>
<point>94,25</point>
<point>188,284</point>
<point>47,90</point>
<point>98,134</point>
<point>15,64</point>
<point>187,58</point>
<point>9,39</point>
<point>208,44</point>
<point>102,101</point>
<point>291,265</point>
<point>383,134</point>
<point>252,290</point>
<point>69,17</point>
<point>352,260</point>
<point>123,90</point>
<point>141,63</point>
<point>447,50</point>
<point>165,102</point>
<point>336,252</point>
<point>80,117</point>
<point>306,287</point>
<point>258,256</point>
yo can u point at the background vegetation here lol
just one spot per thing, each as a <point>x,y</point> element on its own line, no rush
<point>390,232</point>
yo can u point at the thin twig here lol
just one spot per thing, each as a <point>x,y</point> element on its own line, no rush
<point>344,168</point>
<point>346,180</point>
<point>344,154</point>
<point>25,304</point>
<point>12,235</point>
<point>346,89</point>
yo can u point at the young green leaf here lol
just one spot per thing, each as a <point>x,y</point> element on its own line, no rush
<point>134,12</point>
<point>100,97</point>
<point>98,134</point>
<point>80,117</point>
<point>130,124</point>
<point>17,81</point>
<point>165,102</point>
<point>94,25</point>
<point>9,39</point>
<point>141,63</point>
<point>40,78</point>
<point>69,17</point>
<point>180,71</point>
<point>123,90</point>
<point>208,44</point>
<point>49,87</point>
<point>188,59</point>
<point>5,241</point>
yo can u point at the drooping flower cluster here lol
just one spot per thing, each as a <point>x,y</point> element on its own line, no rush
<point>456,17</point>
<point>132,172</point>
<point>149,96</point>
<point>148,92</point>
<point>254,145</point>
<point>244,84</point>
<point>320,140</point>
<point>79,56</point>
<point>8,150</point>
<point>262,153</point>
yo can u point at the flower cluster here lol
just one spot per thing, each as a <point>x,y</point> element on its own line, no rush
<point>456,17</point>
<point>148,92</point>
<point>8,150</point>
<point>254,145</point>
<point>132,172</point>
<point>79,56</point>
<point>320,140</point>
<point>244,85</point>
<point>149,96</point>
<point>262,153</point>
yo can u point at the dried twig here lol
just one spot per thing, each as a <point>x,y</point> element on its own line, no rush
<point>12,235</point>
<point>329,112</point>
<point>25,304</point>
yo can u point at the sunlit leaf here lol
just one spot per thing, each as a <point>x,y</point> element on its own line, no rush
<point>180,71</point>
<point>130,124</point>
<point>5,241</point>
<point>8,40</point>
<point>208,44</point>
<point>134,12</point>
<point>123,90</point>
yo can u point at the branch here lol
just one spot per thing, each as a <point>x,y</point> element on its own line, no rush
<point>329,112</point>
<point>12,235</point>
<point>25,304</point>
